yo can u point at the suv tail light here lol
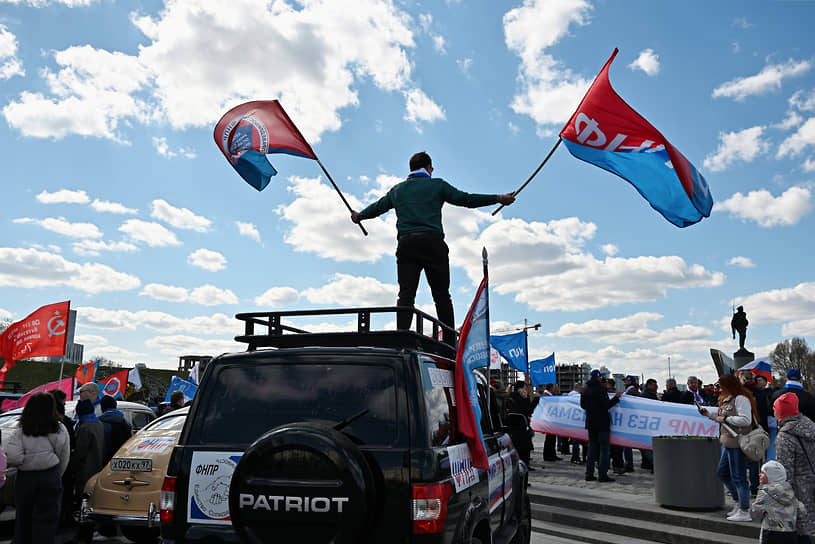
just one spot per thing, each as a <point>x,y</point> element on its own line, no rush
<point>167,500</point>
<point>430,507</point>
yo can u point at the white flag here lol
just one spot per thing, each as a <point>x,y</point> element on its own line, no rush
<point>194,373</point>
<point>135,378</point>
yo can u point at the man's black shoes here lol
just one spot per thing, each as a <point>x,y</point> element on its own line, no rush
<point>590,478</point>
<point>605,479</point>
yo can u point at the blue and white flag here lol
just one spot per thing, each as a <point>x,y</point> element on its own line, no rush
<point>512,347</point>
<point>542,371</point>
<point>180,384</point>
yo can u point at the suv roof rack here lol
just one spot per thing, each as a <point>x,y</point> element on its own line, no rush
<point>280,335</point>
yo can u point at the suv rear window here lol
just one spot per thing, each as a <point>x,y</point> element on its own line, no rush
<point>247,400</point>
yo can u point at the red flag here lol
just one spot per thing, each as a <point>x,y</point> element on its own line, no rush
<point>41,334</point>
<point>473,352</point>
<point>66,384</point>
<point>86,373</point>
<point>115,385</point>
<point>246,133</point>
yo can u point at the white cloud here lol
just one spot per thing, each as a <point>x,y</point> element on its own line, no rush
<point>803,138</point>
<point>610,249</point>
<point>102,318</point>
<point>803,101</point>
<point>549,91</point>
<point>174,344</point>
<point>152,234</point>
<point>321,51</point>
<point>780,305</point>
<point>322,225</point>
<point>207,259</point>
<point>163,149</point>
<point>465,65</point>
<point>65,228</point>
<point>768,79</point>
<point>169,293</point>
<point>209,295</point>
<point>249,230</point>
<point>180,218</point>
<point>792,120</point>
<point>420,107</point>
<point>278,297</point>
<point>744,262</point>
<point>10,65</point>
<point>809,165</point>
<point>111,207</point>
<point>741,22</point>
<point>31,268</point>
<point>631,329</point>
<point>63,196</point>
<point>767,210</point>
<point>347,290</point>
<point>439,43</point>
<point>804,327</point>
<point>647,61</point>
<point>90,94</point>
<point>744,145</point>
<point>95,247</point>
<point>5,315</point>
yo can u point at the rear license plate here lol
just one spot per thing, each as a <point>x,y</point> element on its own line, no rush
<point>123,464</point>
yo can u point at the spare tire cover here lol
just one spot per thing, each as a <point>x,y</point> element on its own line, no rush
<point>302,482</point>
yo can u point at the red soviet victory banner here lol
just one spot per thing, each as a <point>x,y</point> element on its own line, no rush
<point>41,334</point>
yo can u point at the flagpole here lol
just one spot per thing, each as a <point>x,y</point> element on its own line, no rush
<point>487,295</point>
<point>341,195</point>
<point>535,173</point>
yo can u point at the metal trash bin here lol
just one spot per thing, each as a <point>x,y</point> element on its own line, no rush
<point>685,472</point>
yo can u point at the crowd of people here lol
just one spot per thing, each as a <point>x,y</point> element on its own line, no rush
<point>55,457</point>
<point>779,490</point>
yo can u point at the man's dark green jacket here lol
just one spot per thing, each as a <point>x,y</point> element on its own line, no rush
<point>418,201</point>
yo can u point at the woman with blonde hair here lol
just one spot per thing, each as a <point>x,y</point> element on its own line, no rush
<point>737,410</point>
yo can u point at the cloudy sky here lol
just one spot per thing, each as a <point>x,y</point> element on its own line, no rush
<point>116,197</point>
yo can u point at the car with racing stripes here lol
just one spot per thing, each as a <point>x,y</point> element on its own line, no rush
<point>339,436</point>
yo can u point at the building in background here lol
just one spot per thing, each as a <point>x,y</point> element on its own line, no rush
<point>570,374</point>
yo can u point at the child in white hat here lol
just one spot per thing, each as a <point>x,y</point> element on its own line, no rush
<point>777,505</point>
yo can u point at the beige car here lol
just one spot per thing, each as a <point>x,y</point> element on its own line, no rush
<point>126,492</point>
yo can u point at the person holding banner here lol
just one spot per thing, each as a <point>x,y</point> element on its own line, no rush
<point>737,409</point>
<point>596,402</point>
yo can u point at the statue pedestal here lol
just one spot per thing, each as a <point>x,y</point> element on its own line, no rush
<point>742,357</point>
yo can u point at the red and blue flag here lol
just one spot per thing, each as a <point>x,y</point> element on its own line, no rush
<point>115,385</point>
<point>246,133</point>
<point>759,367</point>
<point>86,373</point>
<point>607,132</point>
<point>473,352</point>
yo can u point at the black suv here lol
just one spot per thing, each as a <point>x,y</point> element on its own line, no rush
<point>339,437</point>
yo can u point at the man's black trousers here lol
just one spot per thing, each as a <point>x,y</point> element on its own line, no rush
<point>424,251</point>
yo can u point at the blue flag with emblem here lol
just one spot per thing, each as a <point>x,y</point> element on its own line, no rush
<point>542,371</point>
<point>512,347</point>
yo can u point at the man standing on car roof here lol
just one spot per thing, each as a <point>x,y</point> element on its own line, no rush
<point>418,201</point>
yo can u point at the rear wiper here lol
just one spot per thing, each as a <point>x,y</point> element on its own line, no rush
<point>344,423</point>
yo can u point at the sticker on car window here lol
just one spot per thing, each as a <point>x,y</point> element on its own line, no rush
<point>210,476</point>
<point>461,466</point>
<point>440,377</point>
<point>155,445</point>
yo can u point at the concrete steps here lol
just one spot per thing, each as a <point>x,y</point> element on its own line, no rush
<point>609,517</point>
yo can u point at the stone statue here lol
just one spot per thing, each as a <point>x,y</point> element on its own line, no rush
<point>739,324</point>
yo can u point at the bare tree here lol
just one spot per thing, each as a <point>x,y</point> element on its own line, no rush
<point>794,353</point>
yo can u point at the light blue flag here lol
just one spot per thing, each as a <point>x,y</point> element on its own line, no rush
<point>180,384</point>
<point>512,347</point>
<point>542,371</point>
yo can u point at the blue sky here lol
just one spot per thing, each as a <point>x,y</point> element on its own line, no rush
<point>116,197</point>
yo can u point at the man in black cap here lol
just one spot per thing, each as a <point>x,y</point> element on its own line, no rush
<point>596,402</point>
<point>418,202</point>
<point>806,402</point>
